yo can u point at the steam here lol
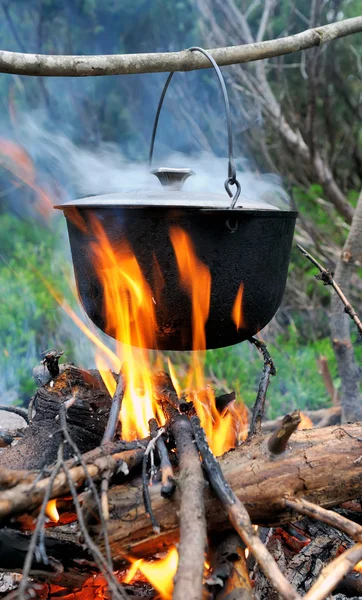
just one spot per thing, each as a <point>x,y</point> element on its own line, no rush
<point>82,172</point>
<point>71,171</point>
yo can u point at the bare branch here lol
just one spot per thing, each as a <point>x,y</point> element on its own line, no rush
<point>124,64</point>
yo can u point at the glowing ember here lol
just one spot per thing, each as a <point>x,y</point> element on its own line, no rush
<point>237,312</point>
<point>358,567</point>
<point>159,573</point>
<point>306,422</point>
<point>51,511</point>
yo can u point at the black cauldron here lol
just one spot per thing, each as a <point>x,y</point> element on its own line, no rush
<point>248,244</point>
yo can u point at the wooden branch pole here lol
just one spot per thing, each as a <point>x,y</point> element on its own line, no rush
<point>192,545</point>
<point>42,65</point>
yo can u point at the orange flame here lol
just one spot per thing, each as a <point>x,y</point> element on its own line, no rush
<point>358,567</point>
<point>196,279</point>
<point>159,573</point>
<point>15,159</point>
<point>129,313</point>
<point>51,510</point>
<point>223,431</point>
<point>306,422</point>
<point>237,312</point>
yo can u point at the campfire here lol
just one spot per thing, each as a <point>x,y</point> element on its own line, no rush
<point>122,454</point>
<point>136,479</point>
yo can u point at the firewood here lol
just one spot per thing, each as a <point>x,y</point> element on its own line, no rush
<point>192,545</point>
<point>87,419</point>
<point>320,465</point>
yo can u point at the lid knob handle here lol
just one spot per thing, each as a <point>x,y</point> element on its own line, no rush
<point>173,179</point>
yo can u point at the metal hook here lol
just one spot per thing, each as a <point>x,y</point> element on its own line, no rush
<point>231,180</point>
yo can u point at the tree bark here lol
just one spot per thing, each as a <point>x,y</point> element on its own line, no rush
<point>320,465</point>
<point>349,370</point>
<point>125,64</point>
<point>89,404</point>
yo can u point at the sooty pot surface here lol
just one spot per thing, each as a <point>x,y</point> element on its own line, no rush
<point>248,246</point>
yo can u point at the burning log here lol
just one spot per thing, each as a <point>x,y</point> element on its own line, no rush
<point>320,465</point>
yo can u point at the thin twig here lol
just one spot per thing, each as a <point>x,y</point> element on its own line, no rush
<point>114,412</point>
<point>92,486</point>
<point>39,525</point>
<point>168,480</point>
<point>313,511</point>
<point>280,438</point>
<point>239,516</point>
<point>103,564</point>
<point>145,481</point>
<point>259,406</point>
<point>17,410</point>
<point>334,572</point>
<point>326,276</point>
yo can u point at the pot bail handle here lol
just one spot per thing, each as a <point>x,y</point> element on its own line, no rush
<point>231,178</point>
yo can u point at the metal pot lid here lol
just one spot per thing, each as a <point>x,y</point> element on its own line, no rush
<point>169,196</point>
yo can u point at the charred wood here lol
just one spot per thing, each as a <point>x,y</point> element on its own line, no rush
<point>320,465</point>
<point>87,418</point>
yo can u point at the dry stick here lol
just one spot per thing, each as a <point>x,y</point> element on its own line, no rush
<point>114,412</point>
<point>125,64</point>
<point>280,438</point>
<point>92,486</point>
<point>168,480</point>
<point>313,511</point>
<point>334,572</point>
<point>145,481</point>
<point>239,516</point>
<point>190,569</point>
<point>108,437</point>
<point>39,525</point>
<point>103,564</point>
<point>259,406</point>
<point>326,276</point>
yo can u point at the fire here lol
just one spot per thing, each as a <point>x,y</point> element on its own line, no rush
<point>159,573</point>
<point>129,314</point>
<point>237,312</point>
<point>223,431</point>
<point>306,422</point>
<point>358,567</point>
<point>196,279</point>
<point>15,159</point>
<point>51,510</point>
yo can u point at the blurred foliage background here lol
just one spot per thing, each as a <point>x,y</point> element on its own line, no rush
<point>118,111</point>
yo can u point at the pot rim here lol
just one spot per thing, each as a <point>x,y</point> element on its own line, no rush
<point>230,212</point>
